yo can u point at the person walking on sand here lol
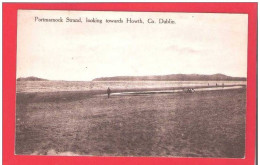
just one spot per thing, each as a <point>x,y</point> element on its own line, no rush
<point>108,92</point>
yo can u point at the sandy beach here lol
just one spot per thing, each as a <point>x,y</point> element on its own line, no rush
<point>199,124</point>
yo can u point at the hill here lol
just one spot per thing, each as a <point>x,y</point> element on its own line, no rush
<point>31,79</point>
<point>173,77</point>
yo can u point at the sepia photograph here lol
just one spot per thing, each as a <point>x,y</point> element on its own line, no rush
<point>131,84</point>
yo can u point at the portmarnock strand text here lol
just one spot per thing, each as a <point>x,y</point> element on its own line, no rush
<point>127,20</point>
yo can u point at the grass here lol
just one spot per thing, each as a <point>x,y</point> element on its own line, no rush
<point>200,124</point>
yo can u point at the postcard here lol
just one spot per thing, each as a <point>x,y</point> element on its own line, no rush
<point>142,84</point>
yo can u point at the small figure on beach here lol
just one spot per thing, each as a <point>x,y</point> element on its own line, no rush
<point>222,85</point>
<point>189,90</point>
<point>108,92</point>
<point>216,84</point>
<point>208,84</point>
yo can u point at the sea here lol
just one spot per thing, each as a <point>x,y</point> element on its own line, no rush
<point>56,86</point>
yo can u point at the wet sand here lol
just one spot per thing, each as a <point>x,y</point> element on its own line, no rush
<point>200,124</point>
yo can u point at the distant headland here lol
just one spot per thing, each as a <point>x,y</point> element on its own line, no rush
<point>173,77</point>
<point>32,78</point>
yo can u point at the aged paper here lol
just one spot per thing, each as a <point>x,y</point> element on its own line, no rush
<point>106,83</point>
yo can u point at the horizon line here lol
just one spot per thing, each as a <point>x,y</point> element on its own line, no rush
<point>139,76</point>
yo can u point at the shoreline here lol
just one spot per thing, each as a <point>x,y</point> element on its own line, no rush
<point>139,89</point>
<point>24,97</point>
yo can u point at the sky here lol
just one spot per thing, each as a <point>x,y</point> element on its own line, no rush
<point>198,43</point>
